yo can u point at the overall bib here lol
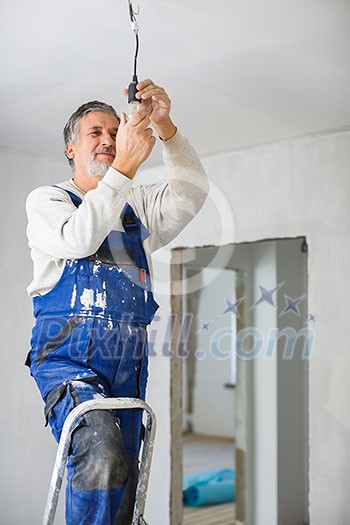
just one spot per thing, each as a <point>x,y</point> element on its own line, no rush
<point>90,340</point>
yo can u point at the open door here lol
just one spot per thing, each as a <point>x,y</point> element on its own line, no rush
<point>240,382</point>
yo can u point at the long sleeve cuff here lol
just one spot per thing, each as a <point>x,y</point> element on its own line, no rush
<point>117,182</point>
<point>175,145</point>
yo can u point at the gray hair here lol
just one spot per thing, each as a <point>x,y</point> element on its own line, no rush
<point>71,129</point>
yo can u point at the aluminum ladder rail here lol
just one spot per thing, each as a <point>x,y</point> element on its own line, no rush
<point>111,403</point>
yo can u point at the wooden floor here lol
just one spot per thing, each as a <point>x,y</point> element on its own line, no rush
<point>205,453</point>
<point>212,515</point>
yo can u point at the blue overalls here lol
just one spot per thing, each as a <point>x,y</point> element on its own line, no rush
<point>90,340</point>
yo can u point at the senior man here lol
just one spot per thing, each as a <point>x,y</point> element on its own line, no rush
<point>91,238</point>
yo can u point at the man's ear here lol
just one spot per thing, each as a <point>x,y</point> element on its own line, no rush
<point>69,151</point>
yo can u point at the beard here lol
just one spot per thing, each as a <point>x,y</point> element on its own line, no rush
<point>99,169</point>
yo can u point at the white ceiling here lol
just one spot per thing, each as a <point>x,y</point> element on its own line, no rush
<point>238,73</point>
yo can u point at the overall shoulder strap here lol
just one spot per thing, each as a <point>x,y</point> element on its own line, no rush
<point>74,198</point>
<point>129,219</point>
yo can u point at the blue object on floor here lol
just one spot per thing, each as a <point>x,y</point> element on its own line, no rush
<point>209,488</point>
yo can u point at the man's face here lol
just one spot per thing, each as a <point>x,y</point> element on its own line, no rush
<point>94,149</point>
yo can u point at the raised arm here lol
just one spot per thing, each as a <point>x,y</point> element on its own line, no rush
<point>167,208</point>
<point>55,225</point>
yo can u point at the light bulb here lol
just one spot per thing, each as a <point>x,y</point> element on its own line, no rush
<point>133,103</point>
<point>133,107</point>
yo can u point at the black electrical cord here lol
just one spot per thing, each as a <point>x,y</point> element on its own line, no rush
<point>135,29</point>
<point>133,102</point>
<point>132,86</point>
<point>136,55</point>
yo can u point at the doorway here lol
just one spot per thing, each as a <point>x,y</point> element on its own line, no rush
<point>240,394</point>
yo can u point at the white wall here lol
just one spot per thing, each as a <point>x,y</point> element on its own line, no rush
<point>291,188</point>
<point>213,410</point>
<point>265,394</point>
<point>292,386</point>
<point>27,448</point>
<point>277,491</point>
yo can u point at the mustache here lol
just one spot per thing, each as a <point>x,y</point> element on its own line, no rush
<point>109,150</point>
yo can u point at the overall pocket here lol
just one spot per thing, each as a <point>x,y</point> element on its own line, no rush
<point>53,333</point>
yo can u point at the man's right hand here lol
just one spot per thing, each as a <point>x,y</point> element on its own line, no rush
<point>134,143</point>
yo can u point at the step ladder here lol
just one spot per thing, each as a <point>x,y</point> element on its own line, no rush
<point>111,403</point>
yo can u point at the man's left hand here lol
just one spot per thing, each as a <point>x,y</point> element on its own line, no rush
<point>156,100</point>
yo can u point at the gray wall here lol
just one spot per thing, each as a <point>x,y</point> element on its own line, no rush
<point>27,448</point>
<point>290,189</point>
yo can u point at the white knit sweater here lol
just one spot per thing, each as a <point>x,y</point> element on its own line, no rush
<point>58,231</point>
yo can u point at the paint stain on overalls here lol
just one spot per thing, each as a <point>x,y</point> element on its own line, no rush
<point>90,340</point>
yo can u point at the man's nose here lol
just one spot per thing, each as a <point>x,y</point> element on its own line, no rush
<point>106,140</point>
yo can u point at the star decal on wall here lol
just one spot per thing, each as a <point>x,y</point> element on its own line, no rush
<point>311,318</point>
<point>204,327</point>
<point>232,307</point>
<point>292,305</point>
<point>266,295</point>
